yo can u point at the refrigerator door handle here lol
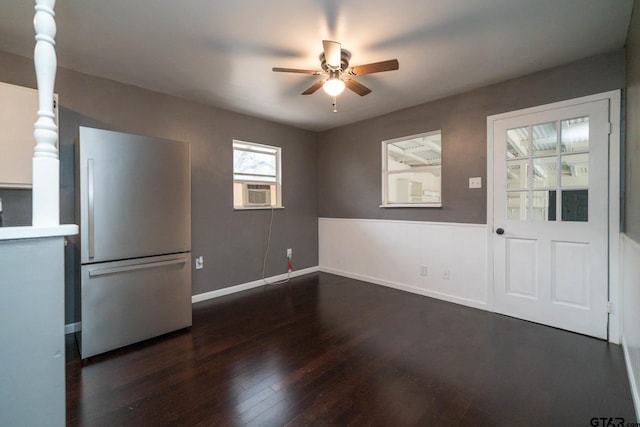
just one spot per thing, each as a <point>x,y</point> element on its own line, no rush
<point>114,270</point>
<point>90,208</point>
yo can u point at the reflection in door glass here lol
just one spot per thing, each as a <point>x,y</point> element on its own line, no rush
<point>517,205</point>
<point>518,142</point>
<point>544,139</point>
<point>575,170</point>
<point>575,205</point>
<point>544,205</point>
<point>575,135</point>
<point>517,176</point>
<point>545,172</point>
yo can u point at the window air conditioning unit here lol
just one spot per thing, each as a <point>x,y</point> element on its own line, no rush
<point>257,195</point>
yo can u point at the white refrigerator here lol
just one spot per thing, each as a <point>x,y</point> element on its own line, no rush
<point>133,202</point>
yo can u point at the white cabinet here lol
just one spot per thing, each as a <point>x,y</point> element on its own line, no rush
<point>18,113</point>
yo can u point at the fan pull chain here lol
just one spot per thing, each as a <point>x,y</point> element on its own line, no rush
<point>335,102</point>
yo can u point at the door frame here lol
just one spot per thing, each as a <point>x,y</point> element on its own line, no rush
<point>614,326</point>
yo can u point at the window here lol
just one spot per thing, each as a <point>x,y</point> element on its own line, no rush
<point>411,169</point>
<point>548,171</point>
<point>256,176</point>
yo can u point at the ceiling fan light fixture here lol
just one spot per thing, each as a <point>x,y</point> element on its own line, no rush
<point>334,86</point>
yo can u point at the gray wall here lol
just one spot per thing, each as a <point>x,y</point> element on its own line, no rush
<point>232,242</point>
<point>632,149</point>
<point>16,207</point>
<point>349,157</point>
<point>338,177</point>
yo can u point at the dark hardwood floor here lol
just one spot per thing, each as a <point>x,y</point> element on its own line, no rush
<point>327,350</point>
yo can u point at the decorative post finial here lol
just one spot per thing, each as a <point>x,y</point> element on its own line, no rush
<point>46,166</point>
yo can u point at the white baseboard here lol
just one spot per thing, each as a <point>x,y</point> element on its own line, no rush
<point>414,290</point>
<point>249,285</point>
<point>71,328</point>
<point>77,327</point>
<point>635,394</point>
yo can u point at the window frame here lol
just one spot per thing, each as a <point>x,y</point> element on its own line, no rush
<point>385,173</point>
<point>276,182</point>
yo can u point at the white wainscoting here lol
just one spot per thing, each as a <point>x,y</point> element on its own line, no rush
<point>391,253</point>
<point>630,272</point>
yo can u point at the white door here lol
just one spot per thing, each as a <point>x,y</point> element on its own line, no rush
<point>550,217</point>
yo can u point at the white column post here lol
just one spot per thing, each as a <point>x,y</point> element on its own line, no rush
<point>46,165</point>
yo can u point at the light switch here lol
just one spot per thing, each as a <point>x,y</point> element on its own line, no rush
<point>475,182</point>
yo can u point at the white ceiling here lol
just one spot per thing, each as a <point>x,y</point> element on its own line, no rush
<point>221,52</point>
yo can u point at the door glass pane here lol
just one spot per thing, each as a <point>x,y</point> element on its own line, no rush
<point>544,205</point>
<point>517,205</point>
<point>544,139</point>
<point>575,135</point>
<point>517,176</point>
<point>517,142</point>
<point>575,205</point>
<point>575,170</point>
<point>545,172</point>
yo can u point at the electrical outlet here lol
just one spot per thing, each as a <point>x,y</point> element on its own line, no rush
<point>423,270</point>
<point>445,275</point>
<point>199,262</point>
<point>289,253</point>
<point>475,182</point>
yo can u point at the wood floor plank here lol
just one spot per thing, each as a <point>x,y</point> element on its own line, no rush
<point>328,350</point>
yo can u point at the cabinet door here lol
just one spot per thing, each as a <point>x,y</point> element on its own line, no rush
<point>18,113</point>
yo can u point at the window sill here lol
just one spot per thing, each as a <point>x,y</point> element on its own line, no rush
<point>412,205</point>
<point>256,208</point>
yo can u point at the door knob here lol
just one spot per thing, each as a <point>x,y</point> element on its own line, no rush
<point>500,231</point>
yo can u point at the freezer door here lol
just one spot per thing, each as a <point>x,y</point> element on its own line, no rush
<point>135,195</point>
<point>129,301</point>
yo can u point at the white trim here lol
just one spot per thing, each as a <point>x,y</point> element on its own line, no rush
<point>386,172</point>
<point>250,285</point>
<point>635,393</point>
<point>12,233</point>
<point>615,288</point>
<point>71,328</point>
<point>412,205</point>
<point>628,275</point>
<point>256,208</point>
<point>277,181</point>
<point>616,318</point>
<point>402,221</point>
<point>414,290</point>
<point>561,104</point>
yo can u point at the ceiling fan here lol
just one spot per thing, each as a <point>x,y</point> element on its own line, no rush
<point>334,62</point>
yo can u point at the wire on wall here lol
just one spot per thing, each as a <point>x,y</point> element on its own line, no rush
<point>266,254</point>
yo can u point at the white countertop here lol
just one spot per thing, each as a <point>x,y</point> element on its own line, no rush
<point>13,233</point>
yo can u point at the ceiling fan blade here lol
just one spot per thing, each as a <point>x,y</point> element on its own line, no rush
<point>314,87</point>
<point>295,70</point>
<point>358,88</point>
<point>332,53</point>
<point>376,67</point>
